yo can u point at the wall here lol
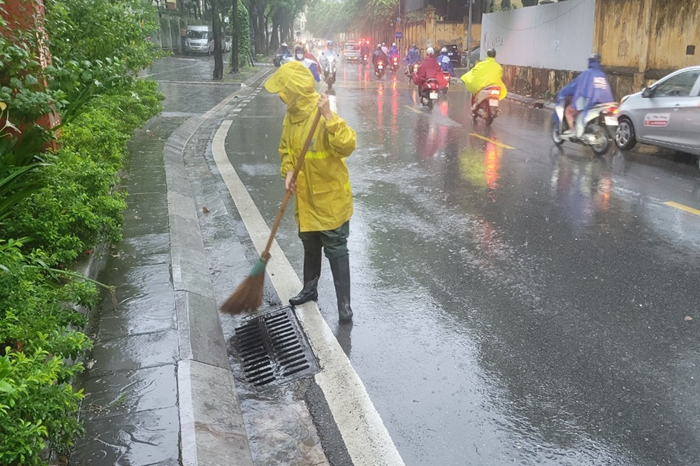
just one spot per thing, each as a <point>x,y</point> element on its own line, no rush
<point>557,36</point>
<point>643,40</point>
<point>438,33</point>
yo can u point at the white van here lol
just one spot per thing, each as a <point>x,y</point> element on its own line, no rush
<point>199,39</point>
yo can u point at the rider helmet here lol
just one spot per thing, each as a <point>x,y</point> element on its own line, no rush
<point>595,57</point>
<point>393,44</point>
<point>443,50</point>
<point>491,53</point>
<point>284,44</point>
<point>330,43</point>
<point>430,51</point>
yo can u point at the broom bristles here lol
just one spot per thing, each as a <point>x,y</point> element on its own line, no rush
<point>248,296</point>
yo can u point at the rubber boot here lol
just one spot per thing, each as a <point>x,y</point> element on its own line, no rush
<point>312,272</point>
<point>341,279</point>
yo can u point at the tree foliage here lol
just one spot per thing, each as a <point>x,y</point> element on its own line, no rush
<point>58,204</point>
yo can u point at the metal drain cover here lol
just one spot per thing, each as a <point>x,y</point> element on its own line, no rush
<point>273,349</point>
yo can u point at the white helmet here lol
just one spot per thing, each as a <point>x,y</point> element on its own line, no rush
<point>430,51</point>
<point>393,44</point>
<point>284,44</point>
<point>443,50</point>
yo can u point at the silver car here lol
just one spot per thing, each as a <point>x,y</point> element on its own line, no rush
<point>666,114</point>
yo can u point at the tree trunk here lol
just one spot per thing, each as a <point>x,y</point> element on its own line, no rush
<point>275,38</point>
<point>235,27</point>
<point>216,26</point>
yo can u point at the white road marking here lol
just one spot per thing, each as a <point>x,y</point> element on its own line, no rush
<point>363,431</point>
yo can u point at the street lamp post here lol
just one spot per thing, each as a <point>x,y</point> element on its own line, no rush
<point>469,36</point>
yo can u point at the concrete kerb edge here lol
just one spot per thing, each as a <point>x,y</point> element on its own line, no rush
<point>211,423</point>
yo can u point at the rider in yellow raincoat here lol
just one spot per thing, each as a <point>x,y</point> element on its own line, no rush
<point>323,204</point>
<point>485,73</point>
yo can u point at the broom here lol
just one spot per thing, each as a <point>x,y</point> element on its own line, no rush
<point>248,295</point>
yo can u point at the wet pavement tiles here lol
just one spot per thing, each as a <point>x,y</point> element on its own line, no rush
<point>130,391</point>
<point>135,439</point>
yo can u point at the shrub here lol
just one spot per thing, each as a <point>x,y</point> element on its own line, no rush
<point>77,207</point>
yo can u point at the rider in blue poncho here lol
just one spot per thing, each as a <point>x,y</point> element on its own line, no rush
<point>445,62</point>
<point>590,88</point>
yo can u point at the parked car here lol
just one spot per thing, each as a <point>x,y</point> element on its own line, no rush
<point>228,44</point>
<point>199,40</point>
<point>454,54</point>
<point>351,52</point>
<point>475,57</point>
<point>666,114</point>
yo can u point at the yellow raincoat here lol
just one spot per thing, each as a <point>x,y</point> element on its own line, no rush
<point>485,73</point>
<point>323,196</point>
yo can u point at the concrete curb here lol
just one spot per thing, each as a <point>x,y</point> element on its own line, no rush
<point>212,431</point>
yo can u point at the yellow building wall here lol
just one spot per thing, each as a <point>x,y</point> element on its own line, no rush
<point>675,24</point>
<point>617,32</point>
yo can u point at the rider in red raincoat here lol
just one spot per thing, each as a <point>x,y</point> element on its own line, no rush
<point>430,68</point>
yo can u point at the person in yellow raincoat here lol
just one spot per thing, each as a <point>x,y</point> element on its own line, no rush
<point>323,197</point>
<point>485,73</point>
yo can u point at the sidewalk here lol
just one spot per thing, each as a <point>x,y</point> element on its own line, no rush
<point>159,388</point>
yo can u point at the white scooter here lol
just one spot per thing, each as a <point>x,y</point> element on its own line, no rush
<point>600,122</point>
<point>329,71</point>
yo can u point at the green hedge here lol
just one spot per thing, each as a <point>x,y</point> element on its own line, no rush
<point>76,208</point>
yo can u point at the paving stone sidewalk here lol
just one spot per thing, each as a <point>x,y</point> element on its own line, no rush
<point>159,389</point>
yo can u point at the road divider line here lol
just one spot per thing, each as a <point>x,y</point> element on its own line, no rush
<point>492,141</point>
<point>683,207</point>
<point>366,438</point>
<point>413,109</point>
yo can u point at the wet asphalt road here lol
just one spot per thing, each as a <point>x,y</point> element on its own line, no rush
<point>514,303</point>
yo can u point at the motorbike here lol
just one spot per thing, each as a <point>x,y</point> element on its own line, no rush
<point>448,77</point>
<point>410,71</point>
<point>364,60</point>
<point>487,108</point>
<point>379,69</point>
<point>329,72</point>
<point>600,122</point>
<point>430,92</point>
<point>394,65</point>
<point>280,59</point>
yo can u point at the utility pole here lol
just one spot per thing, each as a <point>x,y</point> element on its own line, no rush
<point>469,37</point>
<point>216,26</point>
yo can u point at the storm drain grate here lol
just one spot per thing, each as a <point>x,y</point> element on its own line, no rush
<point>273,349</point>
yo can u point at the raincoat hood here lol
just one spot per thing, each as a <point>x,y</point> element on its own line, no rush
<point>295,85</point>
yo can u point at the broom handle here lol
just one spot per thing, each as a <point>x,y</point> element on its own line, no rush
<point>288,194</point>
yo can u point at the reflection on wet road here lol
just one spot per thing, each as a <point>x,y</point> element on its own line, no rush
<point>515,302</point>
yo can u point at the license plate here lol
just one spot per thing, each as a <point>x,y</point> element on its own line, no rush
<point>611,121</point>
<point>380,67</point>
<point>493,102</point>
<point>434,95</point>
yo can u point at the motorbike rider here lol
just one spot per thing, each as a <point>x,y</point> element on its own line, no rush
<point>445,62</point>
<point>412,57</point>
<point>364,50</point>
<point>486,73</point>
<point>284,50</point>
<point>429,69</point>
<point>312,65</point>
<point>385,49</point>
<point>329,52</point>
<point>379,55</point>
<point>590,88</point>
<point>394,52</point>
